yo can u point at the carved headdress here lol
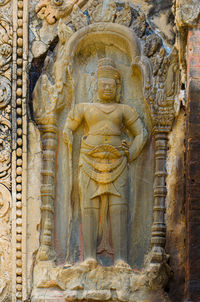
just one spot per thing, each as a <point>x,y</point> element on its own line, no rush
<point>107,69</point>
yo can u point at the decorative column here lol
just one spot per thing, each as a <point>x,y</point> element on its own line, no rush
<point>162,96</point>
<point>45,108</point>
<point>49,142</point>
<point>159,227</point>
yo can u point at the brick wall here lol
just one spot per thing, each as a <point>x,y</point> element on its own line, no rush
<point>193,167</point>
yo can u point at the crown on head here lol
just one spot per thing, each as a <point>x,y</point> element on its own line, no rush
<point>107,69</point>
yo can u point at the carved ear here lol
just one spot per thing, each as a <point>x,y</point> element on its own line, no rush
<point>64,31</point>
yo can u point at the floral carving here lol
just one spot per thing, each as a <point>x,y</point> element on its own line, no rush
<point>5,92</point>
<point>53,10</point>
<point>124,16</point>
<point>101,13</point>
<point>5,148</point>
<point>5,98</point>
<point>79,20</point>
<point>5,155</point>
<point>5,45</point>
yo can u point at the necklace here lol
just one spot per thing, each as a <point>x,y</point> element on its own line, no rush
<point>106,108</point>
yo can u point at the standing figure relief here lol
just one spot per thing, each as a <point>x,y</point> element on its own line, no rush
<point>103,164</point>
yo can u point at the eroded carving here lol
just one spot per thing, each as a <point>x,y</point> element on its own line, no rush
<point>139,25</point>
<point>3,2</point>
<point>79,20</point>
<point>187,12</point>
<point>5,247</point>
<point>103,163</point>
<point>94,282</point>
<point>5,148</point>
<point>101,12</point>
<point>124,16</point>
<point>5,156</point>
<point>53,10</point>
<point>5,92</point>
<point>5,45</point>
<point>103,155</point>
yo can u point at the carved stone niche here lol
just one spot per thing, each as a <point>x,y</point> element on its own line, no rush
<point>66,99</point>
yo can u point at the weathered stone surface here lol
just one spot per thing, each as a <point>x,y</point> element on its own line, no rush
<point>192,174</point>
<point>34,199</point>
<point>175,211</point>
<point>187,12</point>
<point>150,72</point>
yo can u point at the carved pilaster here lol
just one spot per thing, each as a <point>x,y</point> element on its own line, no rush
<point>49,144</point>
<point>159,227</point>
<point>161,96</point>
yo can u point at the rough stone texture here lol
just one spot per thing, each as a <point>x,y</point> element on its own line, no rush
<point>69,78</point>
<point>192,168</point>
<point>33,199</point>
<point>160,19</point>
<point>175,212</point>
<point>187,12</point>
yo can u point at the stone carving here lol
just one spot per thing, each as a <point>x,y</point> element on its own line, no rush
<point>5,45</point>
<point>5,155</point>
<point>124,16</point>
<point>103,161</point>
<point>187,12</point>
<point>5,238</point>
<point>5,92</point>
<point>53,10</point>
<point>139,25</point>
<point>161,97</point>
<point>79,20</point>
<point>3,2</point>
<point>94,282</point>
<point>101,12</point>
<point>5,148</point>
<point>5,200</point>
<point>99,175</point>
<point>45,114</point>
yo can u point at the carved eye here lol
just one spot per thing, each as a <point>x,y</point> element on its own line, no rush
<point>58,2</point>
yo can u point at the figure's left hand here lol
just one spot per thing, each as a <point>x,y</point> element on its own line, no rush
<point>125,148</point>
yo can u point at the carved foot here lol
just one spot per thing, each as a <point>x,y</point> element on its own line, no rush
<point>45,253</point>
<point>122,264</point>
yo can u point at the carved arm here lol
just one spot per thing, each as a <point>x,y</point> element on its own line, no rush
<point>141,134</point>
<point>73,121</point>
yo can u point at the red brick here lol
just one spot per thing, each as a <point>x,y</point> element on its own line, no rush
<point>193,168</point>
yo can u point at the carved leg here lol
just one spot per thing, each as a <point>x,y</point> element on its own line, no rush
<point>103,226</point>
<point>90,222</point>
<point>118,215</point>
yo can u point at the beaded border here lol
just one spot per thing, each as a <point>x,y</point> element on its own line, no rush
<point>19,147</point>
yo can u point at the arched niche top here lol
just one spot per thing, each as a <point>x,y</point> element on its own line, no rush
<point>121,36</point>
